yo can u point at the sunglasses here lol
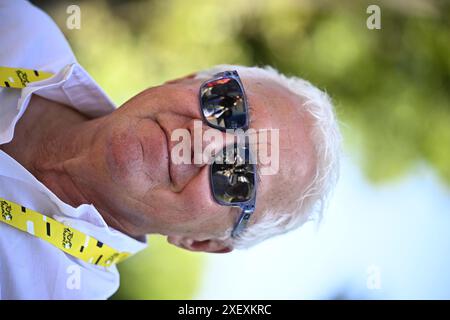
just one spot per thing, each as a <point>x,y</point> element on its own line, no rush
<point>233,172</point>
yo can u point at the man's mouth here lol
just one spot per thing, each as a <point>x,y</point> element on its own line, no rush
<point>155,152</point>
<point>168,151</point>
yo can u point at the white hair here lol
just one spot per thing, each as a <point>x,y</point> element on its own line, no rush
<point>327,145</point>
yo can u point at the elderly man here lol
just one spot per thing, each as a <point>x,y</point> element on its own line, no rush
<point>73,166</point>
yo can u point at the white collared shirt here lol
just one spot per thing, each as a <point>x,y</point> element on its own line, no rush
<point>31,268</point>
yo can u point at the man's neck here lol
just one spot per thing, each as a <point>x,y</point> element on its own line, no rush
<point>46,138</point>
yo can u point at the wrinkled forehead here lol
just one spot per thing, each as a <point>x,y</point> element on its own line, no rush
<point>273,106</point>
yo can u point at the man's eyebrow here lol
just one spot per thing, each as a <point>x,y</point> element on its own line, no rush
<point>258,173</point>
<point>251,113</point>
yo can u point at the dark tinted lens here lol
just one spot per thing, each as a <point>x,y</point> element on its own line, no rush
<point>233,176</point>
<point>223,103</point>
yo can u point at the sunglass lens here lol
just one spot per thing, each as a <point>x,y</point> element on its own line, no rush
<point>223,103</point>
<point>233,176</point>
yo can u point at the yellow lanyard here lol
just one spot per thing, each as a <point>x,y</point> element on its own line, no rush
<point>67,239</point>
<point>19,77</point>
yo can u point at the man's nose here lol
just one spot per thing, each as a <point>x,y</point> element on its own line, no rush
<point>207,142</point>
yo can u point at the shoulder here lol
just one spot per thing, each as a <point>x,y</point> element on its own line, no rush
<point>34,269</point>
<point>21,16</point>
<point>30,38</point>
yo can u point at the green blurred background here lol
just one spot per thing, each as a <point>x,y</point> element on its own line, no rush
<point>390,86</point>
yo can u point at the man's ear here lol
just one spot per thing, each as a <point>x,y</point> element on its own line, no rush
<point>178,80</point>
<point>211,246</point>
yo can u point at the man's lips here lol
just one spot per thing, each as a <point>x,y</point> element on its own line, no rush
<point>155,152</point>
<point>179,173</point>
<point>168,148</point>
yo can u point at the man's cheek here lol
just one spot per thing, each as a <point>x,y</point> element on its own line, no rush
<point>123,156</point>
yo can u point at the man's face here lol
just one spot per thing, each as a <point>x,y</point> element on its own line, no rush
<point>142,182</point>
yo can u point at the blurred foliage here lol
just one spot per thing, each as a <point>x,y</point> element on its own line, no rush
<point>161,271</point>
<point>390,86</point>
